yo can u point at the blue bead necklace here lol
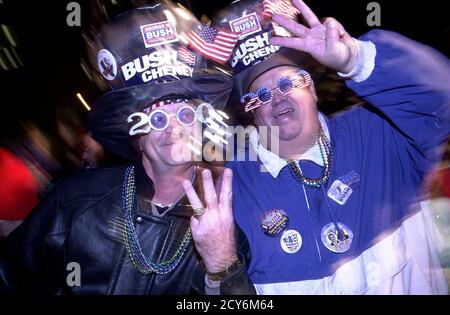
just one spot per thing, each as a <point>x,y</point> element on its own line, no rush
<point>327,158</point>
<point>133,247</point>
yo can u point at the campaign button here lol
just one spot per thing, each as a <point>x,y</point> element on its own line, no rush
<point>274,222</point>
<point>291,241</point>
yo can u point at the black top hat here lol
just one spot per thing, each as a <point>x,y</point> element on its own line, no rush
<point>253,54</point>
<point>144,57</point>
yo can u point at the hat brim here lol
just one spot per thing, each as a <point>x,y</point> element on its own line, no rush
<point>108,117</point>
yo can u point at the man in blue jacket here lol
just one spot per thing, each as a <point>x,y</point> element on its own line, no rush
<point>335,208</point>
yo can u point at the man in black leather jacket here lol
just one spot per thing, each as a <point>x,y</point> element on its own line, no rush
<point>128,230</point>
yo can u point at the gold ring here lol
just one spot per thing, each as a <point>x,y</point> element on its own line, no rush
<point>198,212</point>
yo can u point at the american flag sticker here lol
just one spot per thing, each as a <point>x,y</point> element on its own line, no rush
<point>212,43</point>
<point>159,33</point>
<point>246,25</point>
<point>186,56</point>
<point>283,7</point>
<point>280,31</point>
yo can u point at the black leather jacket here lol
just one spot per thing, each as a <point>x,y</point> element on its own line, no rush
<point>80,221</point>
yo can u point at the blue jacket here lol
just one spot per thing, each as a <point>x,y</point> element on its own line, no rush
<point>381,151</point>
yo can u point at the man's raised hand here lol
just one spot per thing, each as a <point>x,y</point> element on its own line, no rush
<point>326,41</point>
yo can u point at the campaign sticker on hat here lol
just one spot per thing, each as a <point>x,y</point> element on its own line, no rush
<point>160,33</point>
<point>107,64</point>
<point>291,241</point>
<point>154,66</point>
<point>253,50</point>
<point>246,25</point>
<point>339,192</point>
<point>334,242</point>
<point>274,222</point>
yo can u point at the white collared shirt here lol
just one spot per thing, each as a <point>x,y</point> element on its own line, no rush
<point>273,163</point>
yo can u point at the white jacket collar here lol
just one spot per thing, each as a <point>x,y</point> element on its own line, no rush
<point>273,163</point>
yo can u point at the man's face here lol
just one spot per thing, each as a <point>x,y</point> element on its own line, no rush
<point>169,146</point>
<point>332,237</point>
<point>293,113</point>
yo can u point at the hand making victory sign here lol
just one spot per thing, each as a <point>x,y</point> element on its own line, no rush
<point>212,227</point>
<point>327,42</point>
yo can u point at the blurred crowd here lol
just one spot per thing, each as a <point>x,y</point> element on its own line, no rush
<point>30,165</point>
<point>439,191</point>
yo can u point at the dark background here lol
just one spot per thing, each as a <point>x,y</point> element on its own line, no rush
<point>48,75</point>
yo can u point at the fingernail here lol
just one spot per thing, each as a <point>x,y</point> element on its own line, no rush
<point>186,183</point>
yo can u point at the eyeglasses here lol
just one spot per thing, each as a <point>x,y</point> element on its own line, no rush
<point>284,86</point>
<point>159,120</point>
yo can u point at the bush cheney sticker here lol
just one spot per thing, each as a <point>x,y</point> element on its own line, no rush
<point>159,33</point>
<point>251,50</point>
<point>246,25</point>
<point>155,65</point>
<point>107,64</point>
<point>339,192</point>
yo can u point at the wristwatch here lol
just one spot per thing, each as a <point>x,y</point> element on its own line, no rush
<point>218,276</point>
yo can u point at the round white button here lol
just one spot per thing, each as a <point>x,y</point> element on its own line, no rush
<point>291,241</point>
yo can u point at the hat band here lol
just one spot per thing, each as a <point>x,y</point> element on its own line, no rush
<point>164,102</point>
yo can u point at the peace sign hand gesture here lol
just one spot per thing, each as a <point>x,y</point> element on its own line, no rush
<point>213,227</point>
<point>327,42</point>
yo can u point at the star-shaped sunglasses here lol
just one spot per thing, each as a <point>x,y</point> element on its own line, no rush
<point>284,86</point>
